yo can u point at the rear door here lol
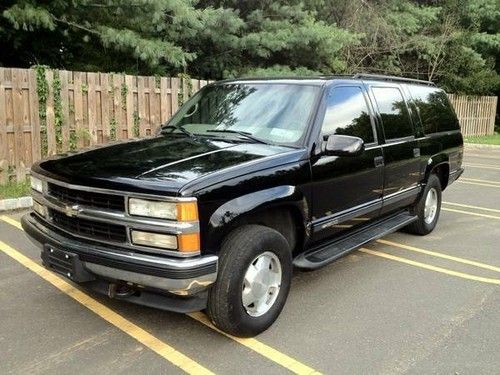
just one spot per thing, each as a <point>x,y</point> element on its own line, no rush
<point>401,150</point>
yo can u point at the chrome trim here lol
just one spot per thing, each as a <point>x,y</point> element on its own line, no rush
<point>118,217</point>
<point>177,286</point>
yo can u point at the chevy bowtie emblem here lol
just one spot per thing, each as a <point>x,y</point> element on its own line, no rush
<point>72,211</point>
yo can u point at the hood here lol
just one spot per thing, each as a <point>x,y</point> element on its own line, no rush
<point>162,163</point>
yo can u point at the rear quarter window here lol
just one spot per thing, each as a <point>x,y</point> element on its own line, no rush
<point>434,109</point>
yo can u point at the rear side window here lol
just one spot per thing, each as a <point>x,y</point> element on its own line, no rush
<point>347,114</point>
<point>434,109</point>
<point>392,109</point>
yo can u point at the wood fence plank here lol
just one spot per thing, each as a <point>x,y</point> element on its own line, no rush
<point>4,150</point>
<point>141,107</point>
<point>164,101</point>
<point>65,128</point>
<point>175,94</point>
<point>129,82</point>
<point>17,78</point>
<point>50,119</point>
<point>34,117</point>
<point>78,95</point>
<point>92,107</point>
<point>105,105</point>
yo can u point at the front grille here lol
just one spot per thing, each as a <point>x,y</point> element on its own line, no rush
<point>88,228</point>
<point>87,198</point>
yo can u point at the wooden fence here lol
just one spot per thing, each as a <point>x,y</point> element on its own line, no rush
<point>476,114</point>
<point>44,112</point>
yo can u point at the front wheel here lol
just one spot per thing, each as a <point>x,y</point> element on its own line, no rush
<point>255,270</point>
<point>427,208</point>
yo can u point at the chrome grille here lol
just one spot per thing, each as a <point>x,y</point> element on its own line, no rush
<point>87,198</point>
<point>87,228</point>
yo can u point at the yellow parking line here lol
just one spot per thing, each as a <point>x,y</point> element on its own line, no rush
<point>477,183</point>
<point>266,351</point>
<point>478,180</point>
<point>261,348</point>
<point>470,213</point>
<point>473,207</point>
<point>431,267</point>
<point>145,338</point>
<point>485,166</point>
<point>440,255</point>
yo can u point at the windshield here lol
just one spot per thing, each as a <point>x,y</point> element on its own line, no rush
<point>273,113</point>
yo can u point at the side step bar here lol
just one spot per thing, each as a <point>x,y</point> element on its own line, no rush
<point>319,257</point>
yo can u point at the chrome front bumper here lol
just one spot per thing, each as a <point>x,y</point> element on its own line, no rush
<point>181,276</point>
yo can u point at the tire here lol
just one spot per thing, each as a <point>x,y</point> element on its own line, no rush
<point>245,246</point>
<point>424,225</point>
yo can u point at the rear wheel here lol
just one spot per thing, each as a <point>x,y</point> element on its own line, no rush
<point>427,208</point>
<point>255,269</point>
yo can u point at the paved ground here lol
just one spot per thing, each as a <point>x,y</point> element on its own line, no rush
<point>418,305</point>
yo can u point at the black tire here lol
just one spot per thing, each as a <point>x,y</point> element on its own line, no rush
<point>420,226</point>
<point>240,248</point>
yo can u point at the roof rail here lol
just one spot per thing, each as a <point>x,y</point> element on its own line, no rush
<point>393,78</point>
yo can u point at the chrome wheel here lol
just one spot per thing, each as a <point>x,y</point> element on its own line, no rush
<point>261,284</point>
<point>431,206</point>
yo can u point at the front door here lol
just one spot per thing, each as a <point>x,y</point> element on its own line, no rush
<point>400,148</point>
<point>347,190</point>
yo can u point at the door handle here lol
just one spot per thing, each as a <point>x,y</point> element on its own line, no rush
<point>416,152</point>
<point>378,161</point>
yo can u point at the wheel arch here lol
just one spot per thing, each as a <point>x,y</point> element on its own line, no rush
<point>440,166</point>
<point>283,208</point>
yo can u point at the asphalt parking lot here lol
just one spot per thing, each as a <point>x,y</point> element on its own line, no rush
<point>404,304</point>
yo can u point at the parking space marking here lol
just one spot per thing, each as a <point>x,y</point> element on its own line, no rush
<point>485,166</point>
<point>477,183</point>
<point>266,351</point>
<point>440,255</point>
<point>145,338</point>
<point>481,156</point>
<point>470,213</point>
<point>478,180</point>
<point>430,267</point>
<point>473,207</point>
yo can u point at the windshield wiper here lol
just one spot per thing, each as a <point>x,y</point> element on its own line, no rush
<point>247,135</point>
<point>176,127</point>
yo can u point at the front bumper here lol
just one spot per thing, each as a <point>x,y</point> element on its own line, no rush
<point>183,276</point>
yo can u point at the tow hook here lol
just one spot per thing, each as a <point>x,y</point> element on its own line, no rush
<point>119,290</point>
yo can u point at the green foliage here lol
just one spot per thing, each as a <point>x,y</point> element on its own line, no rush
<point>135,128</point>
<point>42,88</point>
<point>58,115</point>
<point>15,189</point>
<point>453,42</point>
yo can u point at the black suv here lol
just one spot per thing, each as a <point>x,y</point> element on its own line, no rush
<point>250,178</point>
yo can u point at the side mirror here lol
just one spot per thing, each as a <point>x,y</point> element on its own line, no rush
<point>344,145</point>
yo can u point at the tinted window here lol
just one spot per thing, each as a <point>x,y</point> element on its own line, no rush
<point>434,109</point>
<point>347,114</point>
<point>392,108</point>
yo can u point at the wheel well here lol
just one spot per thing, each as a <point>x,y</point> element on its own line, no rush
<point>442,171</point>
<point>286,220</point>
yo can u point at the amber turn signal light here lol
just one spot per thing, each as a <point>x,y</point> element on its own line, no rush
<point>188,242</point>
<point>187,211</point>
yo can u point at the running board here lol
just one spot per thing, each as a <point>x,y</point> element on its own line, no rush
<point>319,257</point>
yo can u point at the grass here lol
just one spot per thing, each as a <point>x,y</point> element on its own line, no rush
<point>484,139</point>
<point>15,189</point>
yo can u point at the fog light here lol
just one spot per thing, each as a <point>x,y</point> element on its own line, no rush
<point>40,209</point>
<point>165,241</point>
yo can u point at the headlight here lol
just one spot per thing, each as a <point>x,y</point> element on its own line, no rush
<point>166,241</point>
<point>181,211</point>
<point>36,184</point>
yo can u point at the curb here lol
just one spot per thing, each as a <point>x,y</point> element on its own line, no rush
<point>480,146</point>
<point>15,203</point>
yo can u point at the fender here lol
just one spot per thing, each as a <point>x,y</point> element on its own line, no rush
<point>227,215</point>
<point>433,162</point>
